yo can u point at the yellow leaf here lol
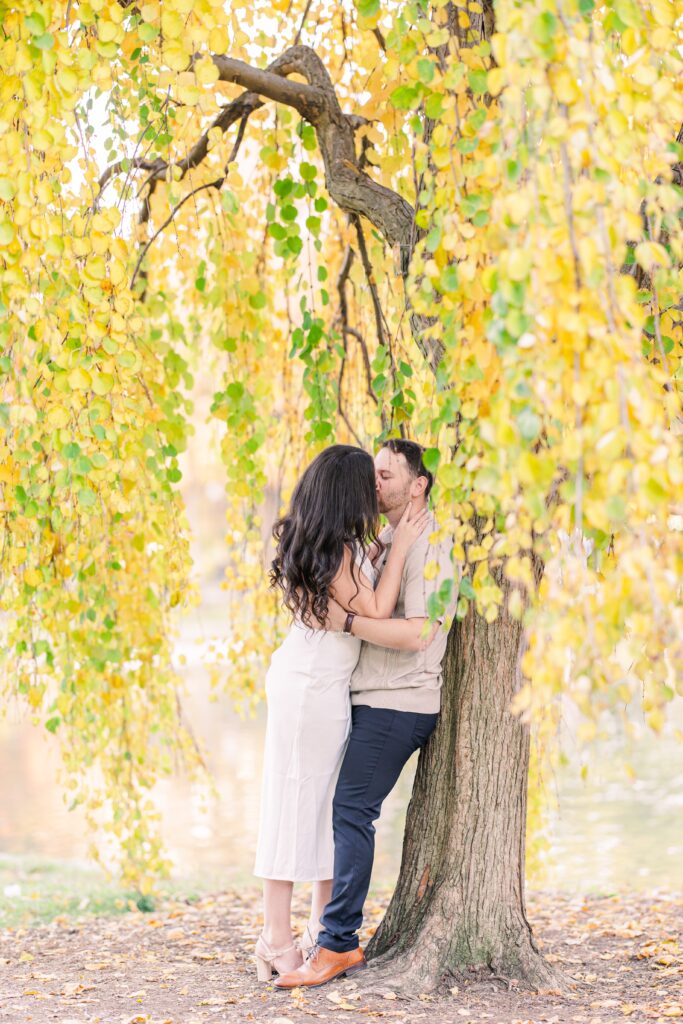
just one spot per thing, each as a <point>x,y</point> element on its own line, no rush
<point>58,416</point>
<point>103,383</point>
<point>495,80</point>
<point>79,379</point>
<point>564,86</point>
<point>171,24</point>
<point>176,57</point>
<point>652,253</point>
<point>218,40</point>
<point>206,71</point>
<point>518,264</point>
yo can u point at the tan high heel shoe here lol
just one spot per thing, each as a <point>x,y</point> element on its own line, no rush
<point>266,966</point>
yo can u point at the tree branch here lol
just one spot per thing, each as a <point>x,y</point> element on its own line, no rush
<point>303,97</point>
<point>348,185</point>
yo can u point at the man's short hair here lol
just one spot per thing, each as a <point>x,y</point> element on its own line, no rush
<point>412,452</point>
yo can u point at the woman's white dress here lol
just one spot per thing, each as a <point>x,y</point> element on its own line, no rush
<point>309,719</point>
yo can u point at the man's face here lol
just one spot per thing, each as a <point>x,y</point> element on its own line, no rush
<point>393,481</point>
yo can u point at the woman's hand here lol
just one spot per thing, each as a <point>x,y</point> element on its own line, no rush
<point>409,527</point>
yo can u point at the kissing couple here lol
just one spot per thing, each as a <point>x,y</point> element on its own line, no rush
<point>352,692</point>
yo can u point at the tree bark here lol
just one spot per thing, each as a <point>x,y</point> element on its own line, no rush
<point>459,903</point>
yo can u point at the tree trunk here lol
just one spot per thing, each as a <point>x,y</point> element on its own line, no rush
<point>459,902</point>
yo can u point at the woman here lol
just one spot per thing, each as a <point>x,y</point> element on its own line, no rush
<point>325,544</point>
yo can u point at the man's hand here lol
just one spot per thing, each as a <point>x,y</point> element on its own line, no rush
<point>336,616</point>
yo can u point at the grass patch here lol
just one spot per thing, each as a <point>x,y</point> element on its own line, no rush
<point>34,891</point>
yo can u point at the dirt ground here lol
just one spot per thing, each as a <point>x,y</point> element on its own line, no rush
<point>192,963</point>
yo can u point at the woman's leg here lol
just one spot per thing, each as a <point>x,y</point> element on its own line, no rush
<point>320,897</point>
<point>277,923</point>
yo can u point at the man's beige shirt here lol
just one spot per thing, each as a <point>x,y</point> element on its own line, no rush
<point>409,680</point>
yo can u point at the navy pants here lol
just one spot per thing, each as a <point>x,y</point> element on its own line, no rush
<point>381,742</point>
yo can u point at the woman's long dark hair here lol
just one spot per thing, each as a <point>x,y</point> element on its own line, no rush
<point>333,504</point>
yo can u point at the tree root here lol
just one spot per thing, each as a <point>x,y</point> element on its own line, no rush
<point>408,975</point>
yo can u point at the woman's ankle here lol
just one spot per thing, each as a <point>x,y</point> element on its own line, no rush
<point>278,938</point>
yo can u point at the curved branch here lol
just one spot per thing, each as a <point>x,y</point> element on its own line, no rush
<point>303,97</point>
<point>316,100</point>
<point>208,184</point>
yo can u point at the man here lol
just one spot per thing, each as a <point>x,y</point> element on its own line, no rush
<point>395,696</point>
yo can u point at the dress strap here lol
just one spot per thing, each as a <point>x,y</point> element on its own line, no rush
<point>365,565</point>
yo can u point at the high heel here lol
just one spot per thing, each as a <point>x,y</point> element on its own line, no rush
<point>266,957</point>
<point>264,968</point>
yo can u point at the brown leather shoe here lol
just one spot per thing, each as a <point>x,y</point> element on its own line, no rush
<point>322,966</point>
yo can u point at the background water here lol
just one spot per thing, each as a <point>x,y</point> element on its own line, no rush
<point>605,832</point>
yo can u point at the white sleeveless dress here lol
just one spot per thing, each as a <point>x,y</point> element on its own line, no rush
<point>309,719</point>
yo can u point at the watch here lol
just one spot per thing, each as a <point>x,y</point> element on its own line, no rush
<point>348,623</point>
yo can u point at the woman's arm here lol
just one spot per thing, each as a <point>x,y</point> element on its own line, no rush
<point>352,589</point>
<point>401,634</point>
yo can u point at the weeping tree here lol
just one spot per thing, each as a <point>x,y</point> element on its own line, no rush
<point>459,223</point>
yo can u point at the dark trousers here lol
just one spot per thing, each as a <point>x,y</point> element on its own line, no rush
<point>380,744</point>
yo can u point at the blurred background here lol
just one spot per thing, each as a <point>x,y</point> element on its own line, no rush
<point>615,807</point>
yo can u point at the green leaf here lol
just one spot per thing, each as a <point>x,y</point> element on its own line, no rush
<point>448,282</point>
<point>87,497</point>
<point>544,27</point>
<point>466,588</point>
<point>307,171</point>
<point>529,424</point>
<point>435,606</point>
<point>478,81</point>
<point>616,507</point>
<point>406,97</point>
<point>434,105</point>
<point>307,133</point>
<point>229,201</point>
<point>44,42</point>
<point>148,32</point>
<point>425,70</point>
<point>322,430</point>
<point>431,458</point>
<point>367,8</point>
<point>433,239</point>
<point>235,391</point>
<point>257,301</point>
<point>35,23</point>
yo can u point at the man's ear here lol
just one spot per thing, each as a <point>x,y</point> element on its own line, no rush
<point>418,487</point>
